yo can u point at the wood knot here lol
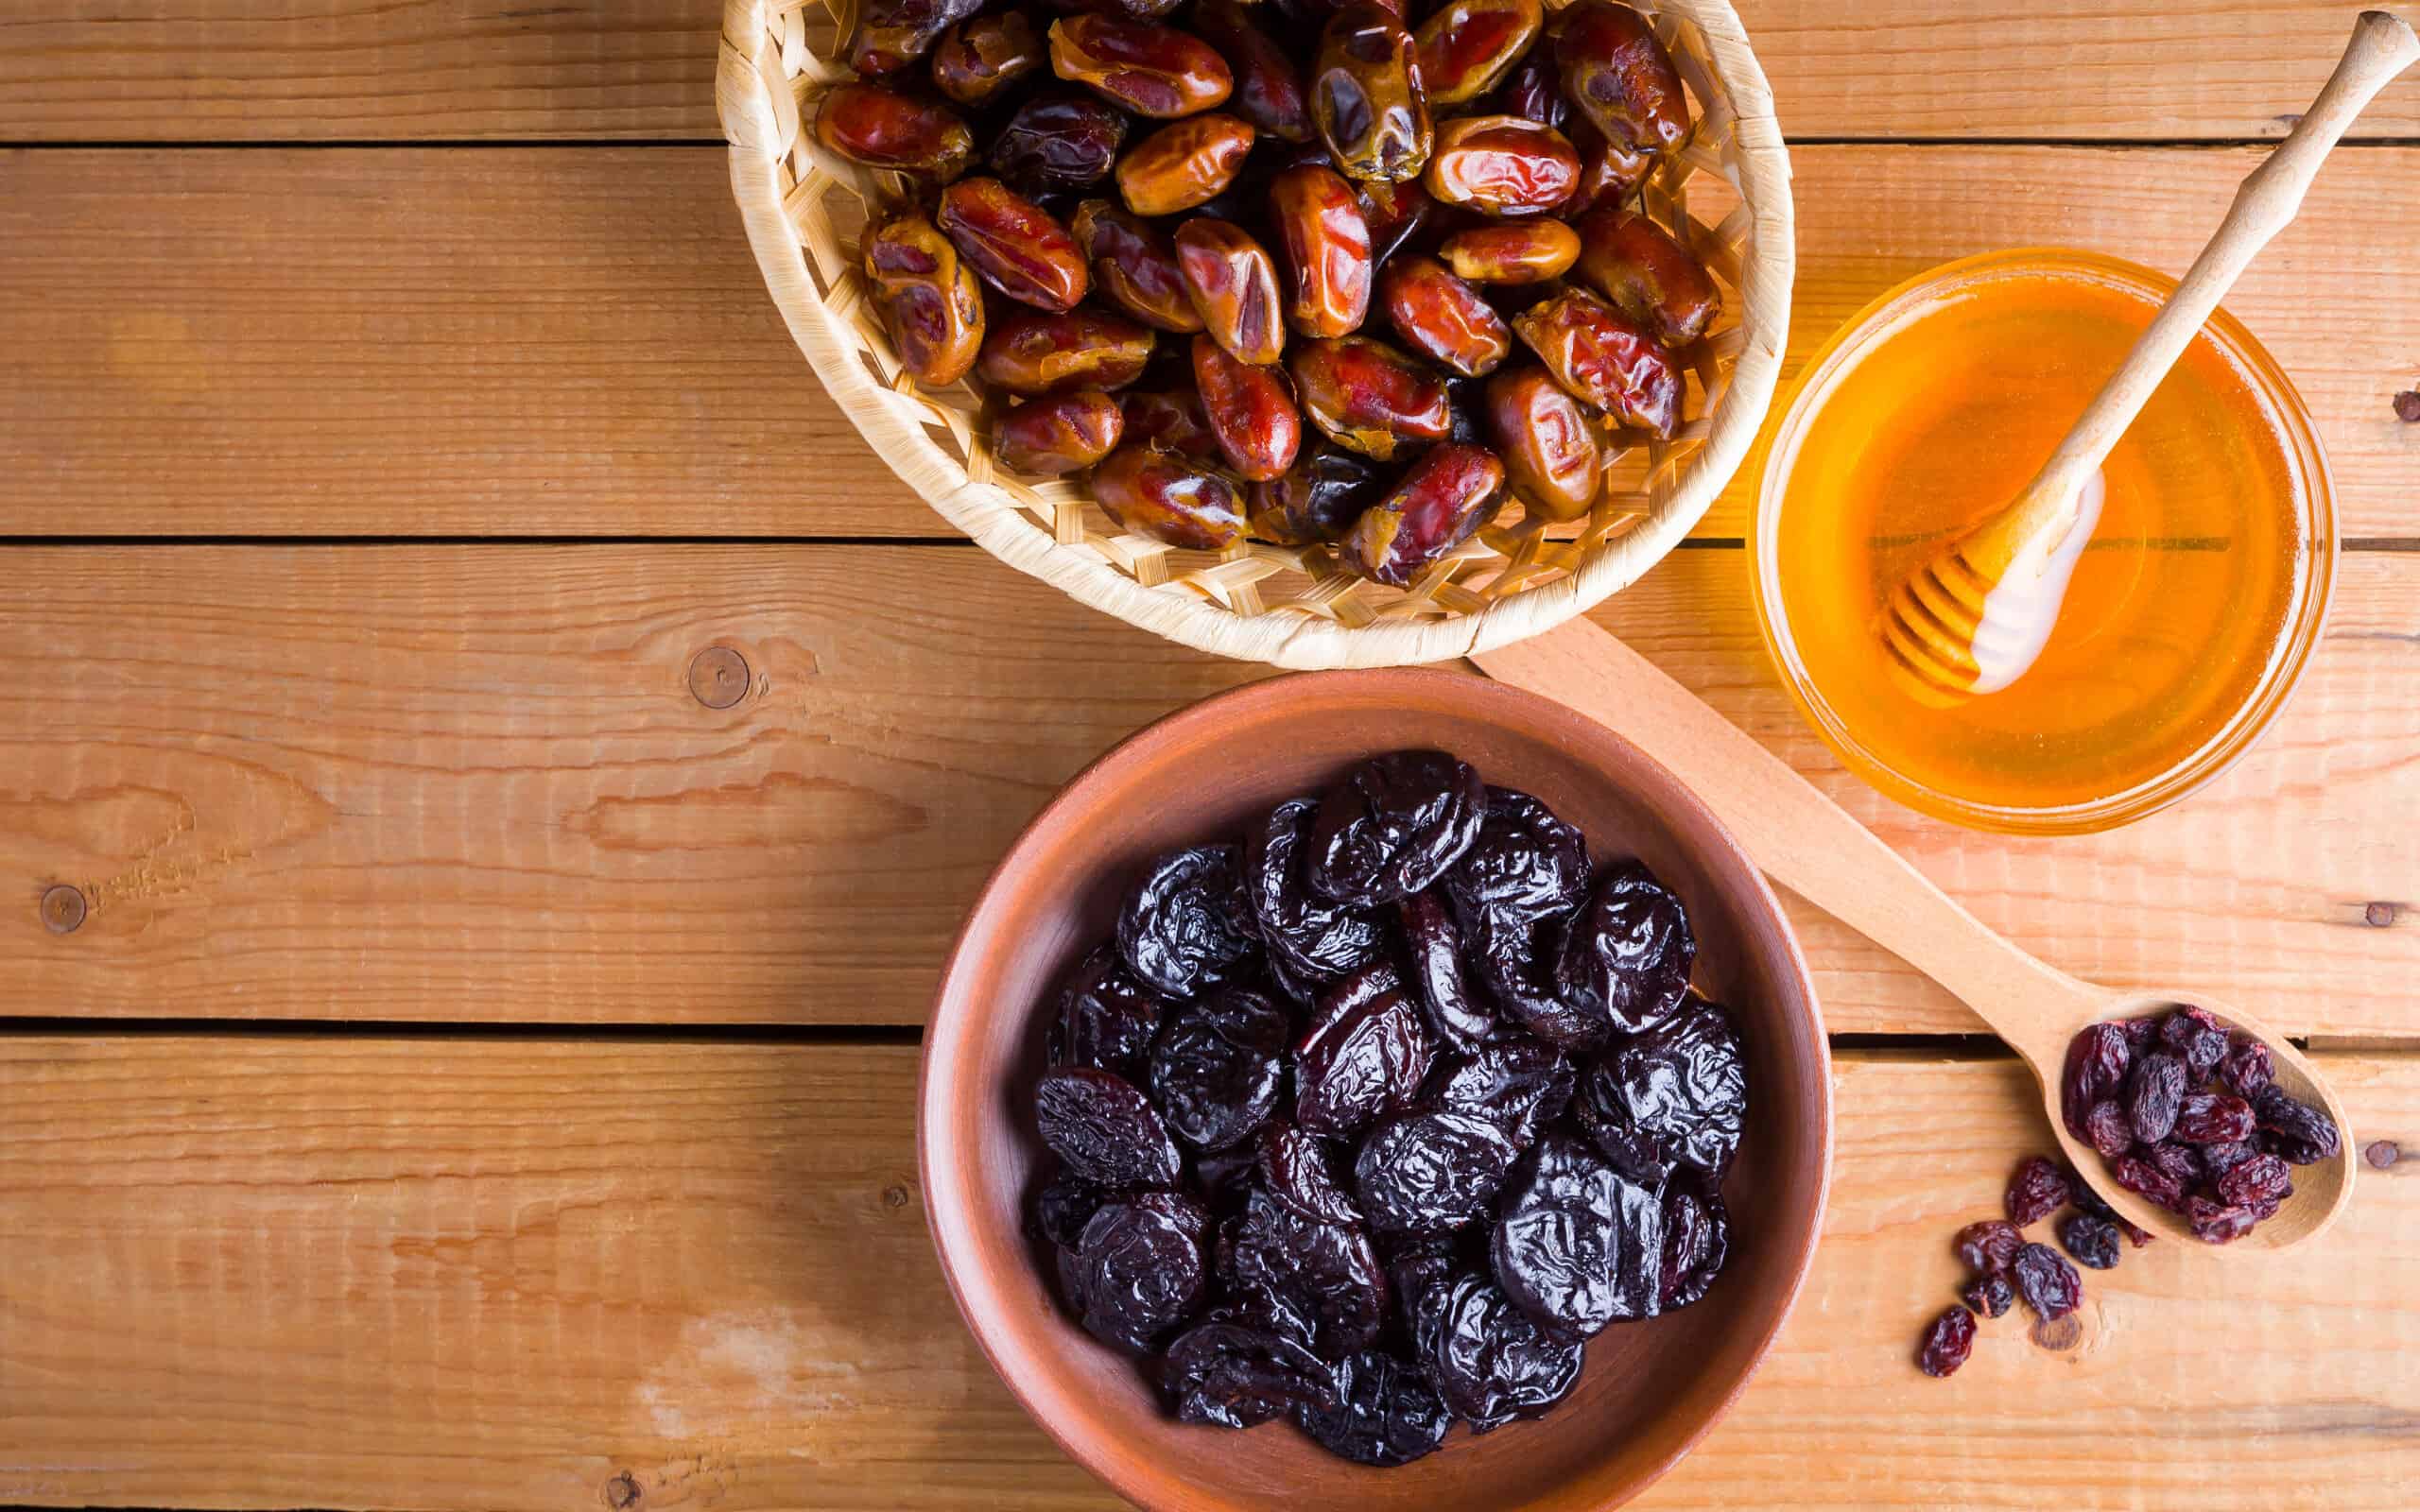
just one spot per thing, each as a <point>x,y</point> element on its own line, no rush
<point>63,909</point>
<point>894,1196</point>
<point>2383,1154</point>
<point>718,677</point>
<point>2407,407</point>
<point>622,1492</point>
<point>2381,915</point>
<point>2058,1332</point>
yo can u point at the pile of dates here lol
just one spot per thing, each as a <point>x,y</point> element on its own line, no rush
<point>2188,1116</point>
<point>1345,215</point>
<point>1369,1120</point>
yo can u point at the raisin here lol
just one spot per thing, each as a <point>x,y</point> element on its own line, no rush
<point>2216,1223</point>
<point>2036,1191</point>
<point>2213,1118</point>
<point>2246,1068</point>
<point>2092,1241</point>
<point>2110,1130</point>
<point>2087,1200</point>
<point>2147,1181</point>
<point>1947,1343</point>
<point>2048,1284</point>
<point>2197,1038</point>
<point>1989,1246</point>
<point>1989,1296</point>
<point>2154,1094</point>
<point>1106,1130</point>
<point>2259,1178</point>
<point>2292,1128</point>
<point>2098,1060</point>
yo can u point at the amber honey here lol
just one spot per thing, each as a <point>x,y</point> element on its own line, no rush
<point>2189,610</point>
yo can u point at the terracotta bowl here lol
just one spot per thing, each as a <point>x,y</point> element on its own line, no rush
<point>1651,1390</point>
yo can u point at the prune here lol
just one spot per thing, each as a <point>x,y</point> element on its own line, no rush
<point>2147,1181</point>
<point>1617,75</point>
<point>2154,1093</point>
<point>1366,95</point>
<point>893,34</point>
<point>2214,1223</point>
<point>1437,504</point>
<point>1367,1051</point>
<point>1269,82</point>
<point>979,58</point>
<point>1248,1018</point>
<point>1625,955</point>
<point>1251,412</point>
<point>1433,943</point>
<point>1325,237</point>
<point>883,128</point>
<point>1183,163</point>
<point>1029,352</point>
<point>1647,274</point>
<point>1518,253</point>
<point>1533,91</point>
<point>1318,499</point>
<point>1951,1337</point>
<point>1161,494</point>
<point>1231,1376</point>
<point>1525,865</point>
<point>1366,396</point>
<point>1058,433</point>
<point>1426,1171</point>
<point>2048,1284</point>
<point>1502,166</point>
<point>2092,1243</point>
<point>931,304</point>
<point>1490,1361</point>
<point>1171,420</point>
<point>2246,1068</point>
<point>1106,1131</point>
<point>1681,1085</point>
<point>1058,141</point>
<point>2095,1072</point>
<point>1604,358</point>
<point>1224,1178</point>
<point>1466,47</point>
<point>2037,1190</point>
<point>1186,927</point>
<point>1212,1092</point>
<point>2293,1129</point>
<point>2108,1128</point>
<point>1396,213</point>
<point>1442,317</point>
<point>1326,1273</point>
<point>1107,1019</point>
<point>1393,826</point>
<point>1988,1296</point>
<point>1696,1238</point>
<point>1989,1246</point>
<point>2213,1118</point>
<point>2255,1178</point>
<point>1301,926</point>
<point>1578,1245</point>
<point>1233,283</point>
<point>1151,70</point>
<point>1382,1413</point>
<point>1139,1267</point>
<point>1018,248</point>
<point>1520,1085</point>
<point>1297,1170</point>
<point>2197,1038</point>
<point>1063,1203</point>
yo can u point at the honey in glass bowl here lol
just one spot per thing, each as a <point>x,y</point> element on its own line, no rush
<point>2191,609</point>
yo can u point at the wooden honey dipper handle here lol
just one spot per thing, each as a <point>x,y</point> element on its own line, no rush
<point>2267,200</point>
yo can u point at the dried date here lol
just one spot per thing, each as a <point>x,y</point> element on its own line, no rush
<point>1058,433</point>
<point>1325,239</point>
<point>1318,499</point>
<point>1648,275</point>
<point>978,59</point>
<point>1058,141</point>
<point>1467,47</point>
<point>1233,283</point>
<point>1133,265</point>
<point>1149,69</point>
<point>883,128</point>
<point>1515,254</point>
<point>1605,358</point>
<point>1032,353</point>
<point>893,34</point>
<point>1502,165</point>
<point>1366,95</point>
<point>1617,74</point>
<point>1269,82</point>
<point>931,304</point>
<point>1016,245</point>
<point>1183,164</point>
<point>1251,412</point>
<point>1442,317</point>
<point>1550,450</point>
<point>1368,397</point>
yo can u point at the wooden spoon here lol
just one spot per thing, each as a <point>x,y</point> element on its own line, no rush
<point>1810,845</point>
<point>1977,616</point>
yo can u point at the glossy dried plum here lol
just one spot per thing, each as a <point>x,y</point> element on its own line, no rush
<point>1224,1178</point>
<point>2154,1094</point>
<point>1310,933</point>
<point>1487,1360</point>
<point>1579,1245</point>
<point>1434,944</point>
<point>2247,1068</point>
<point>2093,1243</point>
<point>1106,1019</point>
<point>2098,1060</point>
<point>1988,1296</point>
<point>1327,1273</point>
<point>1696,1238</point>
<point>1428,1171</point>
<point>1251,1018</point>
<point>1681,1086</point>
<point>1508,956</point>
<point>1946,1343</point>
<point>1104,1128</point>
<point>2293,1129</point>
<point>1393,826</point>
<point>2213,1118</point>
<point>1231,1376</point>
<point>1139,1267</point>
<point>1521,1085</point>
<point>2037,1190</point>
<point>1625,955</point>
<point>1367,1051</point>
<point>1299,1171</point>
<point>1063,1203</point>
<point>1989,1246</point>
<point>1383,1412</point>
<point>1525,864</point>
<point>2048,1284</point>
<point>1212,1092</point>
<point>1186,927</point>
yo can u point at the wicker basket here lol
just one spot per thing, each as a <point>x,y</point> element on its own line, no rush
<point>1294,606</point>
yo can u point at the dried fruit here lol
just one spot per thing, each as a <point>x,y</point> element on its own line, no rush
<point>1648,274</point>
<point>1059,434</point>
<point>1171,420</point>
<point>979,58</point>
<point>2048,1284</point>
<point>2095,1071</point>
<point>1324,1274</point>
<point>2213,1118</point>
<point>1518,1084</point>
<point>2149,1181</point>
<point>2154,1093</point>
<point>1134,265</point>
<point>1989,1296</point>
<point>1951,1337</point>
<point>1513,254</point>
<point>2292,1128</point>
<point>1395,212</point>
<point>2092,1241</point>
<point>883,128</point>
<point>1680,1087</point>
<point>1159,493</point>
<point>2255,1179</point>
<point>1502,165</point>
<point>1183,163</point>
<point>1139,1267</point>
<point>1697,1238</point>
<point>1382,1413</point>
<point>1318,499</point>
<point>2198,1039</point>
<point>1325,239</point>
<point>2246,1068</point>
<point>1107,1019</point>
<point>1365,395</point>
<point>1269,82</point>
<point>1232,284</point>
<point>2216,1223</point>
<point>893,34</point>
<point>1061,1207</point>
<point>1149,69</point>
<point>1617,75</point>
<point>1424,1172</point>
<point>1213,1092</point>
<point>1490,1361</point>
<point>1466,47</point>
<point>1018,248</point>
<point>1296,1169</point>
<point>1441,502</point>
<point>1579,1245</point>
<point>2108,1128</point>
<point>1442,317</point>
<point>931,305</point>
<point>2037,1190</point>
<point>1366,96</point>
<point>1058,141</point>
<point>1625,957</point>
<point>1433,946</point>
<point>1393,826</point>
<point>1251,412</point>
<point>1233,1376</point>
<point>1032,353</point>
<point>1989,1246</point>
<point>1106,1130</point>
<point>1605,358</point>
<point>1533,91</point>
<point>1366,1055</point>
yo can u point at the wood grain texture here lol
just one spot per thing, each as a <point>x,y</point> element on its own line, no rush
<point>472,782</point>
<point>569,342</point>
<point>433,1275</point>
<point>224,70</point>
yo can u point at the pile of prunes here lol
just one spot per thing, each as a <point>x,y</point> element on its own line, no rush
<point>1371,1121</point>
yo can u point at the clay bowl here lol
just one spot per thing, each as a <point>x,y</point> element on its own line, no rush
<point>1651,1390</point>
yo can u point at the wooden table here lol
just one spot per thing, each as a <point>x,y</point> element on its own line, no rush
<point>481,1075</point>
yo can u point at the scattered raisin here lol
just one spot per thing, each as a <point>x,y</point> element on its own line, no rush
<point>2048,1284</point>
<point>2092,1241</point>
<point>2038,1190</point>
<point>1947,1342</point>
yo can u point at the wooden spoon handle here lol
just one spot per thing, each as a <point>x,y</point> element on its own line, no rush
<point>2266,202</point>
<point>1801,839</point>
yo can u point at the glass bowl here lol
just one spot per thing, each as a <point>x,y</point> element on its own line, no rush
<point>2095,755</point>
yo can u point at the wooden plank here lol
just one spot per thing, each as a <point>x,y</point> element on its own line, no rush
<point>433,1275</point>
<point>553,342</point>
<point>223,69</point>
<point>450,784</point>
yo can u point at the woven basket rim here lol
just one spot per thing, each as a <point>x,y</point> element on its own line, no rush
<point>748,66</point>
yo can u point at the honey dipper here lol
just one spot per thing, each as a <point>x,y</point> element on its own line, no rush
<point>1977,616</point>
